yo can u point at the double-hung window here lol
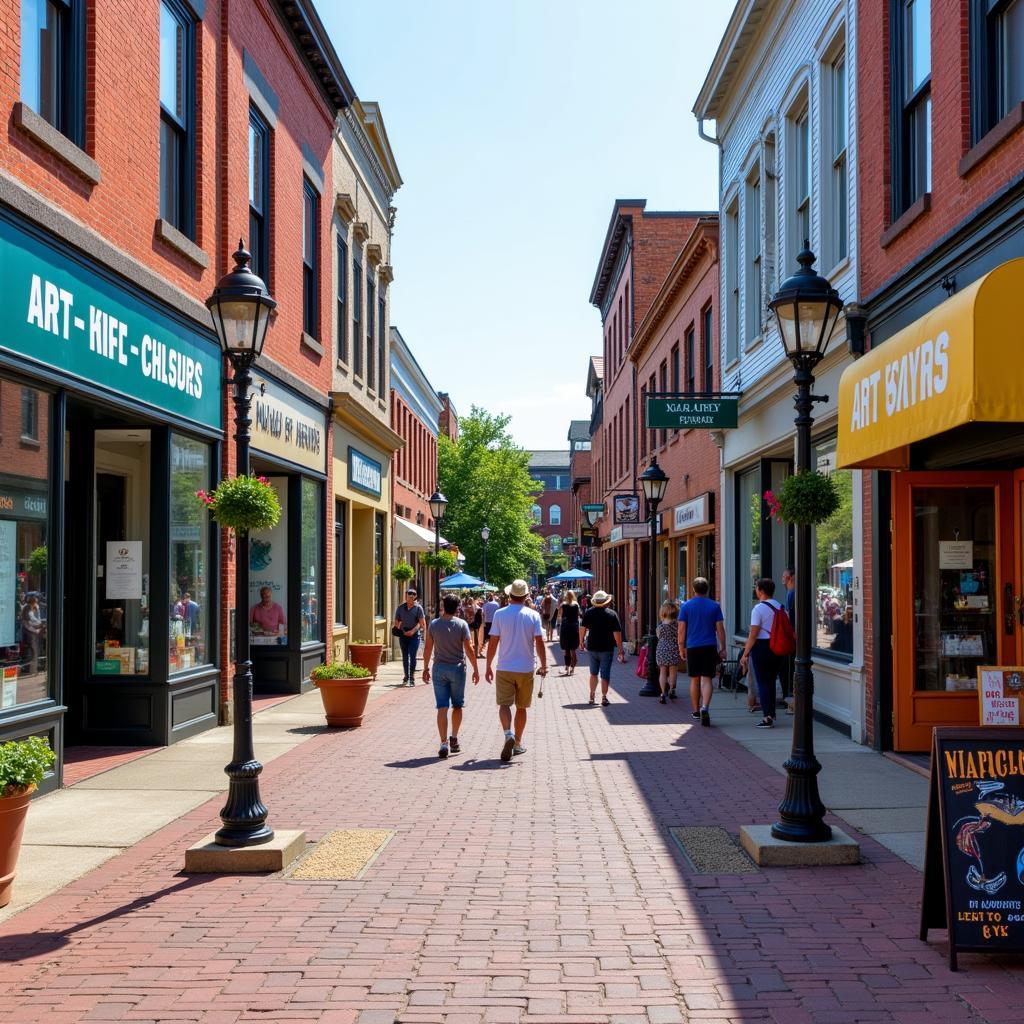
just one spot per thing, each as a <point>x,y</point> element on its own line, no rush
<point>29,414</point>
<point>357,315</point>
<point>798,181</point>
<point>177,132</point>
<point>709,350</point>
<point>911,79</point>
<point>342,296</point>
<point>52,63</point>
<point>834,171</point>
<point>997,62</point>
<point>310,262</point>
<point>259,195</point>
<point>752,293</point>
<point>371,304</point>
<point>732,281</point>
<point>690,361</point>
<point>382,345</point>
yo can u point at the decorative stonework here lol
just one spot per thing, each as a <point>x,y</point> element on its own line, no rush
<point>360,232</point>
<point>385,273</point>
<point>345,206</point>
<point>374,254</point>
<point>359,133</point>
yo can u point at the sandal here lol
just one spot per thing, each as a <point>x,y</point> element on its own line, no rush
<point>592,700</point>
<point>605,702</point>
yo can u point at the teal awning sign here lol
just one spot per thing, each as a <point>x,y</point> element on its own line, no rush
<point>684,412</point>
<point>61,314</point>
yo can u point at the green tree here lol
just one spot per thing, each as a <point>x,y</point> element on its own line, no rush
<point>837,529</point>
<point>486,479</point>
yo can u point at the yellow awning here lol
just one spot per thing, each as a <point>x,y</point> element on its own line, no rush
<point>961,363</point>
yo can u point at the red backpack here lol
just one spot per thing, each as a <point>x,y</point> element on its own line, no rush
<point>782,639</point>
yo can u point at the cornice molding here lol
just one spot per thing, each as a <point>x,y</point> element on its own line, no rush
<point>350,412</point>
<point>374,254</point>
<point>360,232</point>
<point>385,273</point>
<point>366,148</point>
<point>345,206</point>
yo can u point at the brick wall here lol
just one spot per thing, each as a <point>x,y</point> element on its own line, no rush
<point>415,465</point>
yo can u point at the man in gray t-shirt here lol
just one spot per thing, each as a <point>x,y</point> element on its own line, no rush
<point>409,619</point>
<point>448,640</point>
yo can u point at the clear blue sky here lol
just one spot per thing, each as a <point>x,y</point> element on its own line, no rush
<point>515,126</point>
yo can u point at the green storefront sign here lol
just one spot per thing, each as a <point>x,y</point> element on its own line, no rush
<point>682,413</point>
<point>62,314</point>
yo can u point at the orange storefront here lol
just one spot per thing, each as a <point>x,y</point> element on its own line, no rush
<point>940,407</point>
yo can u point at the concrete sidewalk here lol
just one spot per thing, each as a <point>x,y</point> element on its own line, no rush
<point>76,829</point>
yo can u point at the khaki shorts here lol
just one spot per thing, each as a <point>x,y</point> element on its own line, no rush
<point>513,688</point>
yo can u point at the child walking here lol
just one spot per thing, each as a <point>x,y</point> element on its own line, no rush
<point>667,652</point>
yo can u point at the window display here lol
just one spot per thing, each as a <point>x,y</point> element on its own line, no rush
<point>268,576</point>
<point>748,560</point>
<point>309,565</point>
<point>24,502</point>
<point>189,551</point>
<point>833,560</point>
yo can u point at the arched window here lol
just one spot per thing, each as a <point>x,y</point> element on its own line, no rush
<point>538,515</point>
<point>555,515</point>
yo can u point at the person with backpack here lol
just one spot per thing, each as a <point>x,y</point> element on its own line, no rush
<point>771,640</point>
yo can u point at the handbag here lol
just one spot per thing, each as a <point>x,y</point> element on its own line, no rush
<point>641,663</point>
<point>397,631</point>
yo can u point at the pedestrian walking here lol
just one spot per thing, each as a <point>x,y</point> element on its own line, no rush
<point>757,651</point>
<point>789,582</point>
<point>477,626</point>
<point>601,634</point>
<point>666,653</point>
<point>547,611</point>
<point>409,621</point>
<point>516,634</point>
<point>490,607</point>
<point>448,641</point>
<point>569,631</point>
<point>702,637</point>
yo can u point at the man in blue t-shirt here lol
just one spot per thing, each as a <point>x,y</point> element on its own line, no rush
<point>702,636</point>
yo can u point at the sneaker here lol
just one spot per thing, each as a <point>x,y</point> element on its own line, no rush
<point>705,718</point>
<point>518,749</point>
<point>765,723</point>
<point>508,748</point>
<point>661,699</point>
<point>443,752</point>
<point>695,715</point>
<point>454,744</point>
<point>411,682</point>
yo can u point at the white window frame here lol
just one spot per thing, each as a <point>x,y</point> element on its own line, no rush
<point>732,281</point>
<point>799,219</point>
<point>753,258</point>
<point>834,153</point>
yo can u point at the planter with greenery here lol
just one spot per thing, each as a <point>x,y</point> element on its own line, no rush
<point>443,560</point>
<point>243,503</point>
<point>806,499</point>
<point>402,571</point>
<point>23,765</point>
<point>366,654</point>
<point>344,689</point>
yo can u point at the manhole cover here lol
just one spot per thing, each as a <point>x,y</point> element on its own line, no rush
<point>342,855</point>
<point>712,851</point>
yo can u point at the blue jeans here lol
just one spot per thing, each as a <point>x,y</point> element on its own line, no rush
<point>767,667</point>
<point>449,685</point>
<point>601,663</point>
<point>410,646</point>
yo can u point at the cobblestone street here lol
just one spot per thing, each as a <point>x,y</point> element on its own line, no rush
<point>546,890</point>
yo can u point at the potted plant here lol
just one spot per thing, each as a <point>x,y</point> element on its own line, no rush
<point>444,561</point>
<point>23,764</point>
<point>402,571</point>
<point>243,503</point>
<point>344,689</point>
<point>366,653</point>
<point>806,499</point>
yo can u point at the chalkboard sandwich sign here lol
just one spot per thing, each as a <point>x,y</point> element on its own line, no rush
<point>974,847</point>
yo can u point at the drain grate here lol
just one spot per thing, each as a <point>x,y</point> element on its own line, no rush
<point>342,855</point>
<point>712,851</point>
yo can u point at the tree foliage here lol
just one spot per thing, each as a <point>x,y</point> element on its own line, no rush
<point>486,479</point>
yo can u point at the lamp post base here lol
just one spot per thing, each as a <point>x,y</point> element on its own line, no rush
<point>801,813</point>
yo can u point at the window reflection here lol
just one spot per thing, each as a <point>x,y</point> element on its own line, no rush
<point>189,548</point>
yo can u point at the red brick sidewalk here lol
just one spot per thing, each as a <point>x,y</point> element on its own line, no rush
<point>546,890</point>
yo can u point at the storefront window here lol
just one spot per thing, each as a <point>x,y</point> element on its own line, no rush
<point>954,572</point>
<point>663,590</point>
<point>189,602</point>
<point>682,579</point>
<point>378,564</point>
<point>704,559</point>
<point>833,560</point>
<point>122,466</point>
<point>339,563</point>
<point>309,565</point>
<point>748,552</point>
<point>24,485</point>
<point>268,576</point>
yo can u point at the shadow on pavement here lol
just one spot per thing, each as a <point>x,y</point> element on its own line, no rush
<point>16,948</point>
<point>413,762</point>
<point>473,765</point>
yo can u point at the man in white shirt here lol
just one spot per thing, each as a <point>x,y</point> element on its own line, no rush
<point>490,607</point>
<point>516,634</point>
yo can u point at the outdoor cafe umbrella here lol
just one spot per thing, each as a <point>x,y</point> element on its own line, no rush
<point>461,581</point>
<point>571,574</point>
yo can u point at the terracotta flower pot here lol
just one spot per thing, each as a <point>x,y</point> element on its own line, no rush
<point>366,655</point>
<point>344,700</point>
<point>13,811</point>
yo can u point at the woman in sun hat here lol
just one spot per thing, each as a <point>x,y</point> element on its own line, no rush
<point>602,637</point>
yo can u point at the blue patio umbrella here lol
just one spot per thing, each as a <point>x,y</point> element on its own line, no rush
<point>571,574</point>
<point>461,581</point>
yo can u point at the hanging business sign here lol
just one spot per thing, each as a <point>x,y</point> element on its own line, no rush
<point>60,313</point>
<point>974,864</point>
<point>364,474</point>
<point>625,508</point>
<point>631,531</point>
<point>286,426</point>
<point>681,413</point>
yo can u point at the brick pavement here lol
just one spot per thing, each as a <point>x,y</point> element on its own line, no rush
<point>545,891</point>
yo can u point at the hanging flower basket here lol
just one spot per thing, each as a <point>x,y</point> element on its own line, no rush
<point>402,571</point>
<point>443,560</point>
<point>806,499</point>
<point>243,503</point>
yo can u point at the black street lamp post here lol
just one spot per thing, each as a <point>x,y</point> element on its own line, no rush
<point>654,481</point>
<point>485,536</point>
<point>807,308</point>
<point>240,308</point>
<point>438,503</point>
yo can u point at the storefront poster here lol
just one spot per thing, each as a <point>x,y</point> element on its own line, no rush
<point>66,316</point>
<point>9,691</point>
<point>123,570</point>
<point>9,610</point>
<point>956,554</point>
<point>268,567</point>
<point>999,692</point>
